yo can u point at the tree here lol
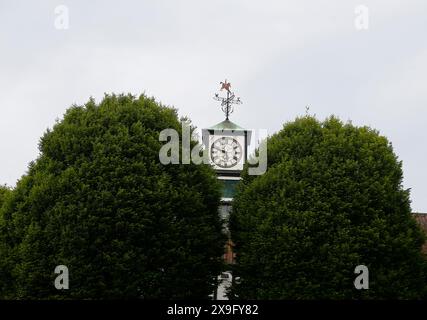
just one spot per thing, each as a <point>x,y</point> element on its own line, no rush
<point>99,201</point>
<point>332,199</point>
<point>5,281</point>
<point>4,191</point>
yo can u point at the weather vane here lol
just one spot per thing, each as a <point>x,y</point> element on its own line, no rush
<point>227,102</point>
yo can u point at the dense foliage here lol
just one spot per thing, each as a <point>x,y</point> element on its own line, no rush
<point>99,201</point>
<point>4,191</point>
<point>332,199</point>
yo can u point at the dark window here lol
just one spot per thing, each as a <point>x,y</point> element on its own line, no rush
<point>228,188</point>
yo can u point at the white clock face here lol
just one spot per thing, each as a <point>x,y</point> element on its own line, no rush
<point>226,152</point>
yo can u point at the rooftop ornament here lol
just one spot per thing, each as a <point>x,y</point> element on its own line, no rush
<point>227,102</point>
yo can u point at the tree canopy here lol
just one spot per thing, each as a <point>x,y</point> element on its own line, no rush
<point>4,191</point>
<point>332,199</point>
<point>99,201</point>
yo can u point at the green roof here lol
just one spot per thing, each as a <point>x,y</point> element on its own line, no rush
<point>226,125</point>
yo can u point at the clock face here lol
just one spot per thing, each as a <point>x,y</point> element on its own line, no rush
<point>226,152</point>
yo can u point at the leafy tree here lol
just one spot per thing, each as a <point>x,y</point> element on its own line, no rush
<point>332,199</point>
<point>4,262</point>
<point>99,201</point>
<point>4,191</point>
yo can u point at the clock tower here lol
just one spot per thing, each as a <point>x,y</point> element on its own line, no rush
<point>227,147</point>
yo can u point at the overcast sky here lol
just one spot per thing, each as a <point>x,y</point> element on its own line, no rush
<point>279,56</point>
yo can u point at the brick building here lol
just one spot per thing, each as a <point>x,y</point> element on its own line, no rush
<point>422,220</point>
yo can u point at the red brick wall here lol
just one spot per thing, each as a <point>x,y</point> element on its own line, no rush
<point>229,256</point>
<point>422,220</point>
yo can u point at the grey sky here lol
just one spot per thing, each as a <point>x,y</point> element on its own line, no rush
<point>279,56</point>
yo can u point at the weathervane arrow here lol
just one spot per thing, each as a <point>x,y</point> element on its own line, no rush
<point>227,102</point>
